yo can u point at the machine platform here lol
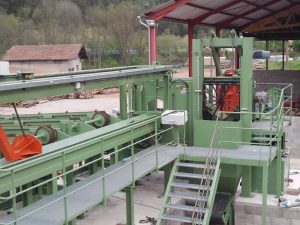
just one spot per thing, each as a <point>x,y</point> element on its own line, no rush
<point>96,188</point>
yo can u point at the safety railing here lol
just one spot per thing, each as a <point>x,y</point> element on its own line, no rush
<point>267,126</point>
<point>206,181</point>
<point>131,160</point>
<point>274,118</point>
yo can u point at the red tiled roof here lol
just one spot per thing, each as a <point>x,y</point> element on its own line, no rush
<point>44,52</point>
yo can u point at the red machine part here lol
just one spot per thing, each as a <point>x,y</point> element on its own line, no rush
<point>23,146</point>
<point>231,99</point>
<point>228,97</point>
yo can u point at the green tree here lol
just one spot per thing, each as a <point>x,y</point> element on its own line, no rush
<point>296,45</point>
<point>9,32</point>
<point>58,21</point>
<point>122,26</point>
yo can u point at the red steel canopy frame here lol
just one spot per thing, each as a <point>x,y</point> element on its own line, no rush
<point>224,14</point>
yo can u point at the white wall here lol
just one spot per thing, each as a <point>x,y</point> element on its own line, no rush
<point>4,68</point>
<point>42,67</point>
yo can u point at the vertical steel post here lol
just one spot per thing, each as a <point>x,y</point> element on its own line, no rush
<point>264,194</point>
<point>14,199</point>
<point>103,168</point>
<point>65,188</point>
<point>246,179</point>
<point>167,173</point>
<point>123,102</point>
<point>267,60</point>
<point>278,167</point>
<point>156,145</point>
<point>283,50</point>
<point>130,105</point>
<point>166,92</point>
<point>153,53</point>
<point>129,205</point>
<point>27,196</point>
<point>132,158</point>
<point>116,155</point>
<point>190,48</point>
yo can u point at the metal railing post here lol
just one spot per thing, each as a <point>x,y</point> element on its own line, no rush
<point>156,146</point>
<point>65,188</point>
<point>15,197</point>
<point>132,159</point>
<point>103,168</point>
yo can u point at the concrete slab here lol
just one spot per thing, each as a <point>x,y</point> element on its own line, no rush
<point>293,138</point>
<point>248,211</point>
<point>147,200</point>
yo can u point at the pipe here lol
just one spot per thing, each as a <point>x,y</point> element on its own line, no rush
<point>150,25</point>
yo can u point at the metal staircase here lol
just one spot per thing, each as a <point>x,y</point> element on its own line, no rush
<point>191,191</point>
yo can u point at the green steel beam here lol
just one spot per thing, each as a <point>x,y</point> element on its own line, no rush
<point>75,149</point>
<point>45,87</point>
<point>129,205</point>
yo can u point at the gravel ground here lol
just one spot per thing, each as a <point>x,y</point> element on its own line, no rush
<point>99,102</point>
<point>147,203</point>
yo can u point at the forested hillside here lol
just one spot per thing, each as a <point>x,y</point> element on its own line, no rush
<point>105,27</point>
<point>109,29</point>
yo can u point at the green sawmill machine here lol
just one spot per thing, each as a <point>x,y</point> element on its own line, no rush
<point>208,133</point>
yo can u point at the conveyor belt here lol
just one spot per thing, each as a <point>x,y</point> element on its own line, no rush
<point>89,192</point>
<point>221,203</point>
<point>86,77</point>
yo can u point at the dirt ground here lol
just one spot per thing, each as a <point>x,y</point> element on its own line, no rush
<point>98,102</point>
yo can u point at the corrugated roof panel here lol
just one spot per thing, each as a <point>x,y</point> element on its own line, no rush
<point>280,5</point>
<point>186,12</point>
<point>258,14</point>
<point>260,2</point>
<point>155,9</point>
<point>210,3</point>
<point>216,18</point>
<point>240,22</point>
<point>239,8</point>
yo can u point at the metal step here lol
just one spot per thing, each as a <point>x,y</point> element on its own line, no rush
<point>191,175</point>
<point>262,139</point>
<point>185,208</point>
<point>189,186</point>
<point>191,165</point>
<point>189,196</point>
<point>182,219</point>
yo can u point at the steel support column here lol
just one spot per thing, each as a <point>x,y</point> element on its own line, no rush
<point>267,60</point>
<point>283,50</point>
<point>236,59</point>
<point>129,205</point>
<point>246,181</point>
<point>152,36</point>
<point>264,194</point>
<point>190,48</point>
<point>278,170</point>
<point>123,102</point>
<point>167,173</point>
<point>27,196</point>
<point>166,92</point>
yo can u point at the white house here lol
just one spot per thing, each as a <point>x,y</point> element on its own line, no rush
<point>41,59</point>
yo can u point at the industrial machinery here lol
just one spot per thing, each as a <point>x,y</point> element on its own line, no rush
<point>208,137</point>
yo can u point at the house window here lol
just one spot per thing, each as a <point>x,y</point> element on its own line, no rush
<point>77,67</point>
